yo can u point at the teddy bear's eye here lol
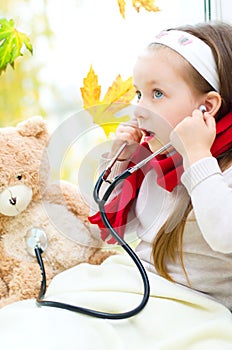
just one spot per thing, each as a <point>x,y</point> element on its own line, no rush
<point>19,177</point>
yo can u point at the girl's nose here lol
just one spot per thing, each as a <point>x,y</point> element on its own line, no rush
<point>140,112</point>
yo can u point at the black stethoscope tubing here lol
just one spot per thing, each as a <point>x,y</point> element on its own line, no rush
<point>101,204</point>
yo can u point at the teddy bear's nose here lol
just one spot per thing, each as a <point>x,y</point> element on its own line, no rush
<point>12,200</point>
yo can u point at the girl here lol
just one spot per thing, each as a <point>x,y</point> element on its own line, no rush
<point>181,213</point>
<point>185,229</point>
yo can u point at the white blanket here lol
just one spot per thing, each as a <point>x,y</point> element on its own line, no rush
<point>175,318</point>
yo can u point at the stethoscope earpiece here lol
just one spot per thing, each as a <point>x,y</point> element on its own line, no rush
<point>202,108</point>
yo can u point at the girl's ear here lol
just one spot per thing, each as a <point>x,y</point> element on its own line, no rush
<point>213,102</point>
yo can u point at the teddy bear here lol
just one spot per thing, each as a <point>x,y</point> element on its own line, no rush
<point>35,211</point>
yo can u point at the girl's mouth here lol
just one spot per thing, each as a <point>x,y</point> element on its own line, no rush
<point>148,135</point>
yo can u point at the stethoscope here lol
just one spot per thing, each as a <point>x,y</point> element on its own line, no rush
<point>39,244</point>
<point>104,177</point>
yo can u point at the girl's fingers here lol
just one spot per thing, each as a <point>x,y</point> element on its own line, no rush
<point>129,131</point>
<point>205,117</point>
<point>210,121</point>
<point>198,114</point>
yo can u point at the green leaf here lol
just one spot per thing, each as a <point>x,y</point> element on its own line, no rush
<point>11,43</point>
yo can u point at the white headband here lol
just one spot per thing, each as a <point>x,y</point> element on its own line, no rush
<point>194,50</point>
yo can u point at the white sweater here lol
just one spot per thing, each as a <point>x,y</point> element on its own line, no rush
<point>207,239</point>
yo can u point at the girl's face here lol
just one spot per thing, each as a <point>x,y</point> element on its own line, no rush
<point>164,95</point>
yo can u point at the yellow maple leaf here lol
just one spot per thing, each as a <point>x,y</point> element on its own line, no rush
<point>91,91</point>
<point>120,91</point>
<point>117,97</point>
<point>148,5</point>
<point>122,6</point>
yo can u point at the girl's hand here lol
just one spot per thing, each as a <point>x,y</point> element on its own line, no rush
<point>194,136</point>
<point>130,133</point>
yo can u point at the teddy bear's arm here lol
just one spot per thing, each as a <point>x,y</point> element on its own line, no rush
<point>66,194</point>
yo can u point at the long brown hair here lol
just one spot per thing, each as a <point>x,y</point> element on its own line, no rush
<point>168,247</point>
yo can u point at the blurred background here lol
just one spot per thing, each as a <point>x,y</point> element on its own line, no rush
<point>70,36</point>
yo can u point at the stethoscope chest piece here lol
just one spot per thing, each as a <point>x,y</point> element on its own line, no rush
<point>36,237</point>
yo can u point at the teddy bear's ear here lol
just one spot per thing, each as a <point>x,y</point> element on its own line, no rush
<point>34,126</point>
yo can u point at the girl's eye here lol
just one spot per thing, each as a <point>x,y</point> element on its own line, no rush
<point>158,94</point>
<point>139,95</point>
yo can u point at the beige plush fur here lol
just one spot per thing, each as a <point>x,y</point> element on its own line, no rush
<point>56,208</point>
